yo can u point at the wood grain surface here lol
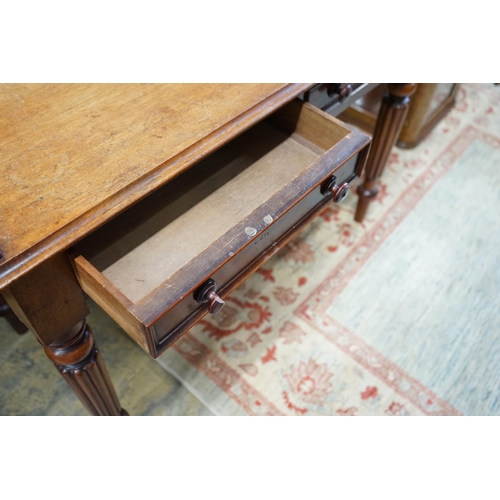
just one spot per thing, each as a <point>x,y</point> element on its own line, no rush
<point>73,156</point>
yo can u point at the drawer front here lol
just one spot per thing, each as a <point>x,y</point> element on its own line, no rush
<point>146,267</point>
<point>271,238</point>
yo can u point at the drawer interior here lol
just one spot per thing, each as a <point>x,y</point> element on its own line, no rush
<point>221,219</point>
<point>145,246</point>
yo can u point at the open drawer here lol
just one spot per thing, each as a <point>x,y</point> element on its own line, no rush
<point>160,266</point>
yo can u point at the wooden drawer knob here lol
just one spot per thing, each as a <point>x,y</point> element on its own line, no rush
<point>338,192</point>
<point>207,293</point>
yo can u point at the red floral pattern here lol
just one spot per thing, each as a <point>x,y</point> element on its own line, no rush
<point>370,392</point>
<point>299,251</point>
<point>254,339</point>
<point>346,234</point>
<point>237,315</point>
<point>396,409</point>
<point>331,213</point>
<point>291,333</point>
<point>348,412</point>
<point>309,384</point>
<point>285,296</point>
<point>270,355</point>
<point>251,294</point>
<point>266,273</point>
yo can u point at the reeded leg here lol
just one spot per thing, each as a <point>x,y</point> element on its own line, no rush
<point>80,363</point>
<point>50,302</point>
<point>389,123</point>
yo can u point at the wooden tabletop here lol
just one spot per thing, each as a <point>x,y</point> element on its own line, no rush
<point>73,156</point>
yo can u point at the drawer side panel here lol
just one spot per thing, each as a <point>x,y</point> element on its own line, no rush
<point>109,298</point>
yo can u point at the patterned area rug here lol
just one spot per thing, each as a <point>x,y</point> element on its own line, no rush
<point>399,315</point>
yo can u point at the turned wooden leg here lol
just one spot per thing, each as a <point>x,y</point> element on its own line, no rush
<point>50,302</point>
<point>389,123</point>
<point>9,315</point>
<point>78,360</point>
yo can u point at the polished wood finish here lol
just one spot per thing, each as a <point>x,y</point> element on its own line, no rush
<point>74,156</point>
<point>80,363</point>
<point>389,123</point>
<point>212,219</point>
<point>12,319</point>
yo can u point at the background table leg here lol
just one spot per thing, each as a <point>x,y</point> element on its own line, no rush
<point>389,123</point>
